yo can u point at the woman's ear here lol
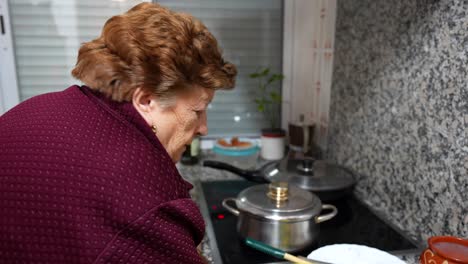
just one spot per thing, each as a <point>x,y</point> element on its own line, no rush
<point>145,104</point>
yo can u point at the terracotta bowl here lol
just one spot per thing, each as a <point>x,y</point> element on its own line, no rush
<point>445,250</point>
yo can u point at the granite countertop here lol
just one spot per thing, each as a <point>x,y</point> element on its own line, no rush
<point>197,172</point>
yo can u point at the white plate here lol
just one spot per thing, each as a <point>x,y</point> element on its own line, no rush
<point>349,254</point>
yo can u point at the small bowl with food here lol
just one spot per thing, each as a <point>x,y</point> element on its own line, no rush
<point>239,152</point>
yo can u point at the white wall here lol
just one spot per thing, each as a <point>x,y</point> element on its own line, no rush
<point>309,35</point>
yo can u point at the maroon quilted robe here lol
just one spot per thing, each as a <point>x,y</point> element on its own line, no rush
<point>84,180</point>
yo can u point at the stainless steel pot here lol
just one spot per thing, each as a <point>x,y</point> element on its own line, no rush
<point>282,216</point>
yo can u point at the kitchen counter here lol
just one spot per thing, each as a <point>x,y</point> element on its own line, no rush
<point>199,173</point>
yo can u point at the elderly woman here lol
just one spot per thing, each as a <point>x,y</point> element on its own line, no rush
<point>87,175</point>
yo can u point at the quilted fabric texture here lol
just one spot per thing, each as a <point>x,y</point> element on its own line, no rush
<point>83,179</point>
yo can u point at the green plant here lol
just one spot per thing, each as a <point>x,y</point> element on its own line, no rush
<point>268,99</point>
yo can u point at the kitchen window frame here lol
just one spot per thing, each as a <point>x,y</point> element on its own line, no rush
<point>9,92</point>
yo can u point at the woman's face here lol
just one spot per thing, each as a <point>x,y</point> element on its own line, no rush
<point>178,124</point>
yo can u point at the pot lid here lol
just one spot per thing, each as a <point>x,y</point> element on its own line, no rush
<point>318,175</point>
<point>279,201</point>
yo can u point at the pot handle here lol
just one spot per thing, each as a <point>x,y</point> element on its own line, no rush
<point>326,217</point>
<point>229,208</point>
<point>251,175</point>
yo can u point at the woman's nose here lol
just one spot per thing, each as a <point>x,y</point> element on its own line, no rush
<point>203,127</point>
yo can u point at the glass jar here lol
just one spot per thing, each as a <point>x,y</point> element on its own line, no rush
<point>191,154</point>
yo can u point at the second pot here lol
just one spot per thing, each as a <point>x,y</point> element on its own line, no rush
<point>279,215</point>
<point>327,180</point>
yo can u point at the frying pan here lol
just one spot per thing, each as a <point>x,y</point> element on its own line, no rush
<point>327,180</point>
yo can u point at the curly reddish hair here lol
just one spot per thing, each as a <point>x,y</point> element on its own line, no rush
<point>156,49</point>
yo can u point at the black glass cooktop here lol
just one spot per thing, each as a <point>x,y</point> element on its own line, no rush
<point>354,224</point>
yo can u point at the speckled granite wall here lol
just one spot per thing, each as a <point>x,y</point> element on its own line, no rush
<point>399,109</point>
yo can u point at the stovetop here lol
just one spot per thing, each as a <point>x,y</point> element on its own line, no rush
<point>355,223</point>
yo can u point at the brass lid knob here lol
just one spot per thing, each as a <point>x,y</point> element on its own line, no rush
<point>278,191</point>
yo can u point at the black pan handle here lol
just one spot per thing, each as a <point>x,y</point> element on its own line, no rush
<point>251,175</point>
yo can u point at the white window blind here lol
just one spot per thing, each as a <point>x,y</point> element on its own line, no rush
<point>47,35</point>
<point>250,34</point>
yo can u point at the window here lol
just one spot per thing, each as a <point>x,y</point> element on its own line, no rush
<point>250,34</point>
<point>47,35</point>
